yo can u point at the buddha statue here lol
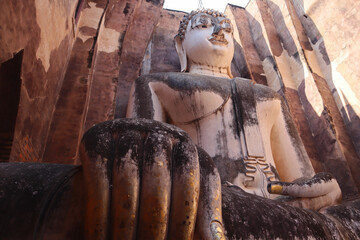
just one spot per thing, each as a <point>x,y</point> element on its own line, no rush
<point>207,156</point>
<point>245,128</point>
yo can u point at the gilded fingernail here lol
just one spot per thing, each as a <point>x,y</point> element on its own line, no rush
<point>276,189</point>
<point>217,231</point>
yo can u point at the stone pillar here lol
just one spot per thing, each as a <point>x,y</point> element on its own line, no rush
<point>161,54</point>
<point>251,55</point>
<point>106,68</point>
<point>111,41</point>
<point>42,32</point>
<point>300,89</point>
<point>133,49</point>
<point>68,118</point>
<point>334,36</point>
<point>335,132</point>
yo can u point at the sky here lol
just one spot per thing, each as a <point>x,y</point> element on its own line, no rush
<point>188,5</point>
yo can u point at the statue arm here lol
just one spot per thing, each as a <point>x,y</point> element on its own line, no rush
<point>143,101</point>
<point>291,159</point>
<point>305,188</point>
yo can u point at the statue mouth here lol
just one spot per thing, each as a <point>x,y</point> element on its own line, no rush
<point>218,40</point>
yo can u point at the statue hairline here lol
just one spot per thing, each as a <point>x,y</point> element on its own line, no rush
<point>186,19</point>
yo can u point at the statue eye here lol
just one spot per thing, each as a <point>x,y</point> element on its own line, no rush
<point>201,22</point>
<point>227,27</point>
<point>229,30</point>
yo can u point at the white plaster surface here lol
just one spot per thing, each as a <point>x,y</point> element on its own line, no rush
<point>50,15</point>
<point>271,74</point>
<point>108,40</point>
<point>90,17</point>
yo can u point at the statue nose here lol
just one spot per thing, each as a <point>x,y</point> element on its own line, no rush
<point>217,30</point>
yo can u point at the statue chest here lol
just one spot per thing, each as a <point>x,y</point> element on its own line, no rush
<point>216,123</point>
<point>183,107</point>
<point>207,116</point>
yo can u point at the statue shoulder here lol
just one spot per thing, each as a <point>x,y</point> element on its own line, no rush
<point>261,92</point>
<point>152,77</point>
<point>186,82</point>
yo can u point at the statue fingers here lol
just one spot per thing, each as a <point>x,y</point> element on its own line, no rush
<point>95,154</point>
<point>209,223</point>
<point>145,182</point>
<point>185,191</point>
<point>314,203</point>
<point>319,185</point>
<point>126,184</point>
<point>155,187</point>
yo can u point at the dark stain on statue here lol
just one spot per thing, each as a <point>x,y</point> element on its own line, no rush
<point>207,165</point>
<point>273,169</point>
<point>268,219</point>
<point>143,107</point>
<point>295,138</point>
<point>228,168</point>
<point>198,135</point>
<point>243,95</point>
<point>157,146</point>
<point>184,157</point>
<point>98,141</point>
<point>319,178</point>
<point>221,137</point>
<point>129,142</point>
<point>184,82</point>
<point>346,214</point>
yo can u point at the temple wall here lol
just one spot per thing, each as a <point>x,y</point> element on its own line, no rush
<point>71,105</point>
<point>333,35</point>
<point>295,67</point>
<point>29,43</point>
<point>161,54</point>
<point>105,60</point>
<point>75,61</point>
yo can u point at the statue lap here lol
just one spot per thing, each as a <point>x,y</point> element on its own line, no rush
<point>244,215</point>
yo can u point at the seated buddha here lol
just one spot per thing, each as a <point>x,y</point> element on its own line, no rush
<point>203,154</point>
<point>244,127</point>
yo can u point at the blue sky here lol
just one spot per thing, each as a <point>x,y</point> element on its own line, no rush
<point>188,5</point>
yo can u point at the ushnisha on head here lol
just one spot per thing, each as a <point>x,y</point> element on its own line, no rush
<point>205,43</point>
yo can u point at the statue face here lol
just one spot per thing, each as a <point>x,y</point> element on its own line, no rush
<point>209,40</point>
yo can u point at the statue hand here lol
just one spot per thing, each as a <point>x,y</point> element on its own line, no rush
<point>315,193</point>
<point>143,178</point>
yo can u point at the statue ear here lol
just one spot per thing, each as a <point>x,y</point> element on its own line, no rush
<point>181,53</point>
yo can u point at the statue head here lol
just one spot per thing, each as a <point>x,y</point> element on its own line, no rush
<point>205,37</point>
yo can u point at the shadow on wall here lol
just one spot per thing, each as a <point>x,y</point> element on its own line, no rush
<point>348,113</point>
<point>315,129</point>
<point>345,132</point>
